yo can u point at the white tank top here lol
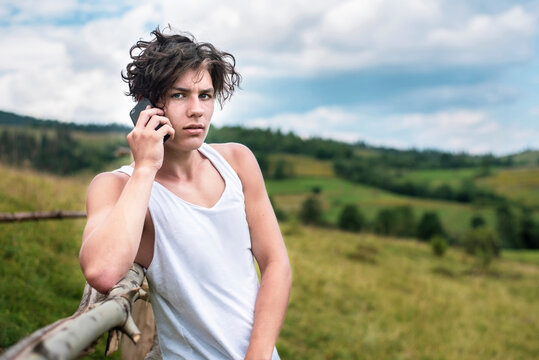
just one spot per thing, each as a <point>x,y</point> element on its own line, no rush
<point>202,278</point>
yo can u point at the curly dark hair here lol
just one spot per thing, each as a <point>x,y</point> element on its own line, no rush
<point>158,63</point>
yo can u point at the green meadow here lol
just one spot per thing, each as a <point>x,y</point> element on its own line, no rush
<point>335,193</point>
<point>354,296</point>
<point>369,297</point>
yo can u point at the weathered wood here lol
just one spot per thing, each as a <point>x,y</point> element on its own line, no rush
<point>97,314</point>
<point>40,215</point>
<point>143,315</point>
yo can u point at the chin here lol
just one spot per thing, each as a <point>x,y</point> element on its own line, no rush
<point>187,144</point>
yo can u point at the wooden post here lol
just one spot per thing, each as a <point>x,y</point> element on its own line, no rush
<point>70,337</point>
<point>40,215</point>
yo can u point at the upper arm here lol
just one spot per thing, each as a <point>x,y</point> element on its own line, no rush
<point>103,193</point>
<point>266,239</point>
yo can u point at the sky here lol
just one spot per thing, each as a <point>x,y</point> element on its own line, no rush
<point>451,75</point>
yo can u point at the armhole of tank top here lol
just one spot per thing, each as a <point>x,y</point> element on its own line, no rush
<point>126,169</point>
<point>154,242</point>
<point>221,164</point>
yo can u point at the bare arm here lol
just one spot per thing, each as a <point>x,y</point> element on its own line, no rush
<point>116,207</point>
<point>269,251</point>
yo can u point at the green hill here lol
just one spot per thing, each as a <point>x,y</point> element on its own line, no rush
<point>456,186</point>
<point>354,296</point>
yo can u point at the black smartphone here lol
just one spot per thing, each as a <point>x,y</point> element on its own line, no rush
<point>135,112</point>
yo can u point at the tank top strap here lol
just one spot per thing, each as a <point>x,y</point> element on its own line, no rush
<point>126,169</point>
<point>220,163</point>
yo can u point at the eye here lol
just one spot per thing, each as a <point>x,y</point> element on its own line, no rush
<point>178,95</point>
<point>206,96</point>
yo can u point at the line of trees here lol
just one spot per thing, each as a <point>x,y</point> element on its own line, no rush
<point>56,151</point>
<point>373,173</point>
<point>513,230</point>
<point>351,160</point>
<point>11,119</point>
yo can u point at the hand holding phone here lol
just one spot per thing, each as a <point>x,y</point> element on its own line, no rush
<point>135,112</point>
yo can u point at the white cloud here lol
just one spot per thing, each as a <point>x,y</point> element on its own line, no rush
<point>324,122</point>
<point>21,11</point>
<point>507,36</point>
<point>72,72</point>
<point>454,130</point>
<point>460,130</point>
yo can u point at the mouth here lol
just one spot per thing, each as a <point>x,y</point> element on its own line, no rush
<point>194,129</point>
<point>194,126</point>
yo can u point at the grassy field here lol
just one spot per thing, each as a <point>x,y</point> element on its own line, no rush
<point>367,297</point>
<point>335,193</point>
<point>305,166</point>
<point>41,277</point>
<point>354,296</point>
<point>437,177</point>
<point>517,184</point>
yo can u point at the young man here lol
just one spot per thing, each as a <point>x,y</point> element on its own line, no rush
<point>192,214</point>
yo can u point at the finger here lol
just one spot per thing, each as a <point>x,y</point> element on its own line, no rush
<point>146,115</point>
<point>157,120</point>
<point>166,129</point>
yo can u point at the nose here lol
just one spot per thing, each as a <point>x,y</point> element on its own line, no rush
<point>194,107</point>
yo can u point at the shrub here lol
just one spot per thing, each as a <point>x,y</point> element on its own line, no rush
<point>529,230</point>
<point>477,221</point>
<point>439,245</point>
<point>383,222</point>
<point>283,170</point>
<point>396,221</point>
<point>311,210</point>
<point>429,226</point>
<point>506,224</point>
<point>481,243</point>
<point>293,227</point>
<point>404,221</point>
<point>351,218</point>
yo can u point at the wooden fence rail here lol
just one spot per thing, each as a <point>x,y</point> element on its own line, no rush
<point>76,335</point>
<point>40,215</point>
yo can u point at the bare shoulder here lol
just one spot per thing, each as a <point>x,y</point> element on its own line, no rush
<point>107,183</point>
<point>239,156</point>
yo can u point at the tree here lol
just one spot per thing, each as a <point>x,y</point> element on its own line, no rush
<point>443,191</point>
<point>351,218</point>
<point>383,222</point>
<point>404,221</point>
<point>429,225</point>
<point>283,170</point>
<point>506,224</point>
<point>438,245</point>
<point>477,221</point>
<point>481,243</point>
<point>311,210</point>
<point>528,230</point>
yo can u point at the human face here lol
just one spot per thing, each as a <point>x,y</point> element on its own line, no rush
<point>189,107</point>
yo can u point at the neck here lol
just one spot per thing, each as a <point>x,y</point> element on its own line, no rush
<point>179,164</point>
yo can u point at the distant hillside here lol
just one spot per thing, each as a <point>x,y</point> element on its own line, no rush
<point>67,148</point>
<point>58,147</point>
<point>271,142</point>
<point>525,158</point>
<point>7,118</point>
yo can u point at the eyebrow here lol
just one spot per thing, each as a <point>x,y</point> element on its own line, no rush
<point>203,91</point>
